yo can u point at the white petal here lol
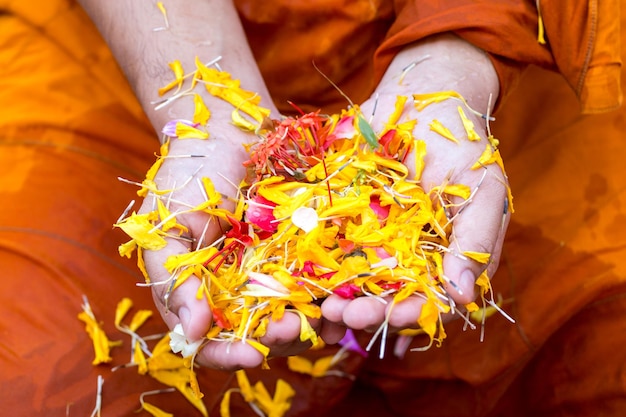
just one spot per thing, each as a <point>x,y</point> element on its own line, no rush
<point>305,218</point>
<point>179,343</point>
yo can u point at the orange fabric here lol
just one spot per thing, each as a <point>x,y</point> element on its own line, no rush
<point>70,125</point>
<point>582,43</point>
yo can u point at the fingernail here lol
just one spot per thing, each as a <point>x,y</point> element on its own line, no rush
<point>184,315</point>
<point>468,279</point>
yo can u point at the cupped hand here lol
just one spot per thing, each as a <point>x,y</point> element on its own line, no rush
<point>219,158</point>
<point>478,225</point>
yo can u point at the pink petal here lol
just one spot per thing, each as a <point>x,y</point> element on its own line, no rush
<point>260,212</point>
<point>349,342</point>
<point>348,291</point>
<point>344,129</point>
<point>170,127</point>
<point>381,212</point>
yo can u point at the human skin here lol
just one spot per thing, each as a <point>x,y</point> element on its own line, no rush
<point>211,28</point>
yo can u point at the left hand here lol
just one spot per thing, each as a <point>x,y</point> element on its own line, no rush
<point>481,225</point>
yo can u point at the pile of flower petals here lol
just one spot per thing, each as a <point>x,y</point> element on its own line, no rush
<point>329,208</point>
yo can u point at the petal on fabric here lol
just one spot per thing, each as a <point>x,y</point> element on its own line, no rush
<point>140,359</point>
<point>154,410</point>
<point>139,318</point>
<point>282,399</point>
<point>350,342</point>
<point>225,403</point>
<point>101,343</point>
<point>244,385</point>
<point>123,307</point>
<point>300,364</point>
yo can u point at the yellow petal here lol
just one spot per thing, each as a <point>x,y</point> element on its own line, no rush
<point>179,379</point>
<point>262,397</point>
<point>420,153</point>
<point>124,305</point>
<point>193,383</point>
<point>300,364</point>
<point>101,343</point>
<point>259,346</point>
<point>176,68</point>
<point>220,84</point>
<point>439,128</point>
<point>142,265</point>
<point>421,101</point>
<point>140,359</point>
<point>201,113</point>
<point>483,283</point>
<point>480,257</point>
<point>486,158</point>
<point>168,221</point>
<point>398,109</point>
<point>225,404</point>
<point>244,385</point>
<point>282,399</point>
<point>429,316</point>
<point>139,319</point>
<point>322,365</point>
<point>241,122</point>
<point>154,410</point>
<point>459,190</point>
<point>306,331</point>
<point>214,198</point>
<point>541,39</point>
<point>140,229</point>
<point>200,256</point>
<point>184,131</point>
<point>471,307</point>
<point>127,249</point>
<point>468,125</point>
<point>304,366</point>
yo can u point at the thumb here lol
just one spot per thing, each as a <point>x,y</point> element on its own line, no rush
<point>479,226</point>
<point>177,301</point>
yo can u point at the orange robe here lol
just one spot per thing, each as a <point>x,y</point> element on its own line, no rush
<point>69,126</point>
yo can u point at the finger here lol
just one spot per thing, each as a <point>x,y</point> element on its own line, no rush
<point>229,356</point>
<point>405,314</point>
<point>478,227</point>
<point>283,331</point>
<point>333,308</point>
<point>179,305</point>
<point>364,313</point>
<point>332,333</point>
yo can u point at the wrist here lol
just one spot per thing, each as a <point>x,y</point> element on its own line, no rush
<point>443,63</point>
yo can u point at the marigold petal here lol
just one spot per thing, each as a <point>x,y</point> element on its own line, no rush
<point>437,127</point>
